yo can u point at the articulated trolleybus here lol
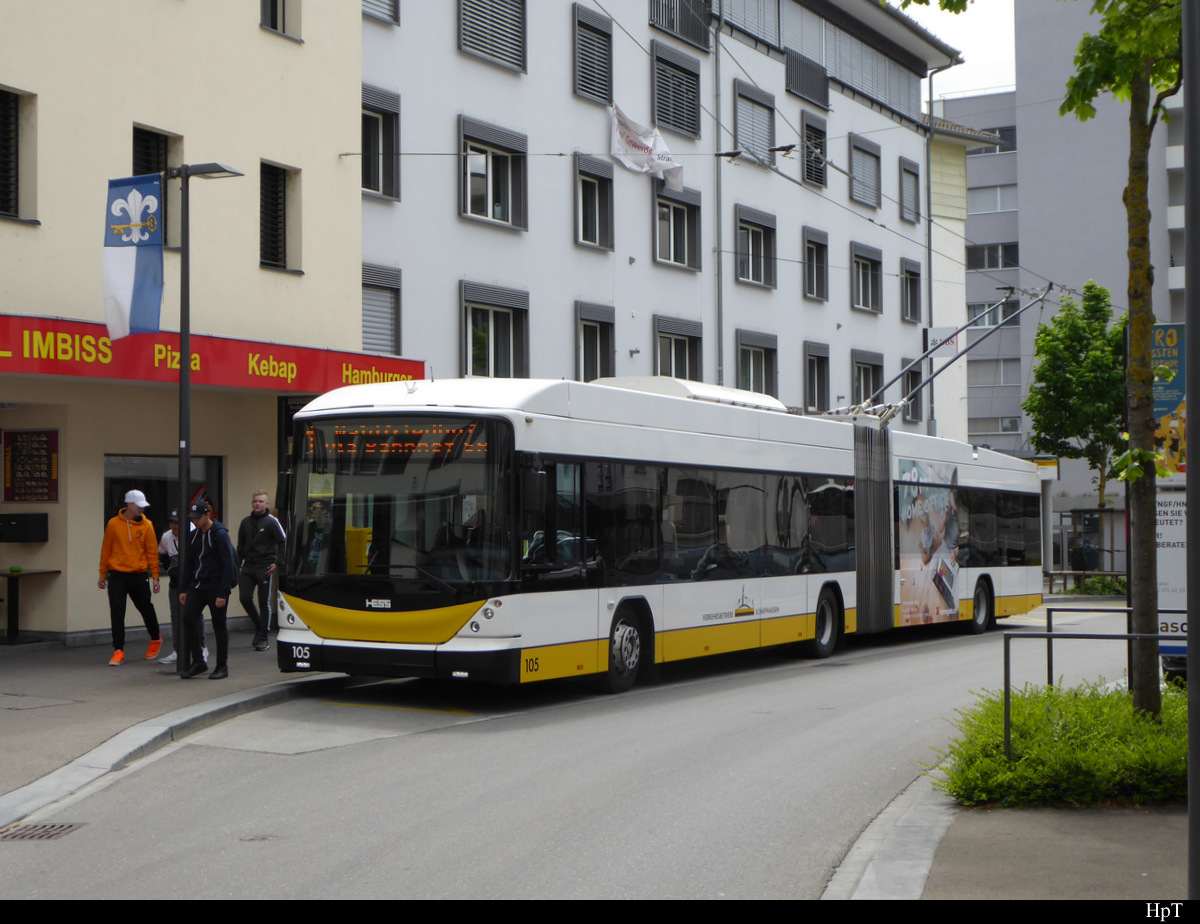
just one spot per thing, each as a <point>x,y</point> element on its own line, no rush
<point>520,530</point>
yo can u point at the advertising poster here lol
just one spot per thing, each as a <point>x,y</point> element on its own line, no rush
<point>1170,401</point>
<point>928,546</point>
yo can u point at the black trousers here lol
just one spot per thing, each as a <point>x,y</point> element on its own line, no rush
<point>193,623</point>
<point>256,577</point>
<point>135,586</point>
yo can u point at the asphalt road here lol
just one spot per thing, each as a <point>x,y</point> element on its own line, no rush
<point>737,777</point>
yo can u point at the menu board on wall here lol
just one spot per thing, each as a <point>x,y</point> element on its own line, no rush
<point>30,465</point>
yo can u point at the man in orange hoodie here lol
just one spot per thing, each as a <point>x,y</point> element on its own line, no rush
<point>128,559</point>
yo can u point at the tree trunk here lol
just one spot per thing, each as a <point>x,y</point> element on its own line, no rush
<point>1139,379</point>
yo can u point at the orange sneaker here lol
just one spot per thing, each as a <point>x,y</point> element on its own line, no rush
<point>118,658</point>
<point>152,651</point>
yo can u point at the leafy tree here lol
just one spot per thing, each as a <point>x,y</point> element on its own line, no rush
<point>1079,384</point>
<point>1135,55</point>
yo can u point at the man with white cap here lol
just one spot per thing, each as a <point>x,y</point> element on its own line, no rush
<point>128,561</point>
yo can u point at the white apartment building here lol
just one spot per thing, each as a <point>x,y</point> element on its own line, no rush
<point>500,238</point>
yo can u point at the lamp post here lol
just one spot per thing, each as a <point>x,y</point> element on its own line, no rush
<point>184,172</point>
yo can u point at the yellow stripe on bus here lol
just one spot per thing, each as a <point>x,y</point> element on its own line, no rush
<point>413,627</point>
<point>573,659</point>
<point>1017,604</point>
<point>786,629</point>
<point>708,640</point>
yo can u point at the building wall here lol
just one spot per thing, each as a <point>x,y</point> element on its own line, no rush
<point>224,89</point>
<point>425,236</point>
<point>233,92</point>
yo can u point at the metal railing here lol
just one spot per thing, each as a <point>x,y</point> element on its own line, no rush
<point>1050,635</point>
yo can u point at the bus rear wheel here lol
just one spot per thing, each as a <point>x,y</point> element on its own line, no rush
<point>624,653</point>
<point>828,626</point>
<point>981,617</point>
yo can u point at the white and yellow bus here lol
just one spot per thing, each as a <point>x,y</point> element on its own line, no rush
<point>519,530</point>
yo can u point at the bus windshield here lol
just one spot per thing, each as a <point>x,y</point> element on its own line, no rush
<point>416,498</point>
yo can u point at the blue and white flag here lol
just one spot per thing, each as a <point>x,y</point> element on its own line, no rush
<point>133,262</point>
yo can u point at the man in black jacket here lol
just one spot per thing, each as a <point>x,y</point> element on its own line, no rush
<point>260,551</point>
<point>207,580</point>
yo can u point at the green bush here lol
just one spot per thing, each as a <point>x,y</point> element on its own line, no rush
<point>1101,587</point>
<point>1070,747</point>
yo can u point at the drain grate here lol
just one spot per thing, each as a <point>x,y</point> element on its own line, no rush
<point>34,832</point>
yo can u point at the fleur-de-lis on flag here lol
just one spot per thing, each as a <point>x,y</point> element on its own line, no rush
<point>133,206</point>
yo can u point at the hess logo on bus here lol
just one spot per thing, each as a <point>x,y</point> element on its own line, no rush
<point>379,604</point>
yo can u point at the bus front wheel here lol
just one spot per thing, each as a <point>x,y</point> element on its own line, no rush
<point>624,652</point>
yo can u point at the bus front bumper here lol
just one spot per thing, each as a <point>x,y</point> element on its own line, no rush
<point>433,662</point>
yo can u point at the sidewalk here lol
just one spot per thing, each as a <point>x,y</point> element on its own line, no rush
<point>67,718</point>
<point>64,711</point>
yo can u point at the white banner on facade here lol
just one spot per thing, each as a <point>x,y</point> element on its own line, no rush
<point>642,150</point>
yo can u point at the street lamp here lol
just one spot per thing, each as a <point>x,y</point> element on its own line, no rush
<point>184,172</point>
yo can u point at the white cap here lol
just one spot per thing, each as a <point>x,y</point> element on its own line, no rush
<point>136,497</point>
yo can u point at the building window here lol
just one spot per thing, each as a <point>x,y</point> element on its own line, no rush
<point>273,216</point>
<point>687,19</point>
<point>493,173</point>
<point>992,372</point>
<point>910,190</point>
<point>1008,142</point>
<point>282,16</point>
<point>814,150</point>
<point>757,368</point>
<point>911,383</point>
<point>816,377</point>
<point>678,348</point>
<point>977,426</point>
<point>984,199</point>
<point>496,341</point>
<point>864,171</point>
<point>868,376</point>
<point>10,137</point>
<point>993,256</point>
<point>677,227</point>
<point>381,142</point>
<point>387,10</point>
<point>676,91</point>
<point>593,201</point>
<point>381,309</point>
<point>754,121</point>
<point>910,290</point>
<point>596,349</point>
<point>807,78</point>
<point>755,246</point>
<point>493,30</point>
<point>983,314</point>
<point>816,264</point>
<point>593,55</point>
<point>152,152</point>
<point>866,282</point>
